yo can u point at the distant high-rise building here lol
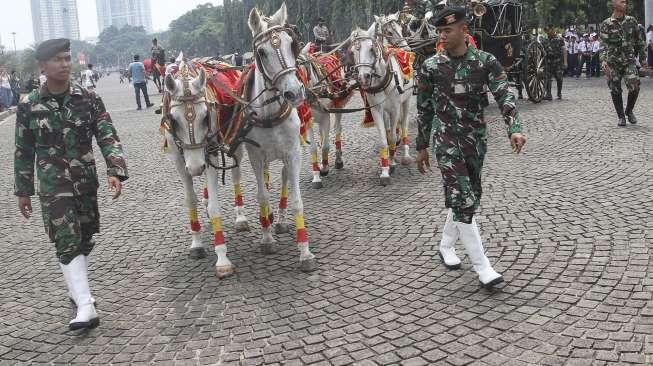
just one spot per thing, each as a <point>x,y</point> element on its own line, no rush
<point>119,13</point>
<point>54,19</point>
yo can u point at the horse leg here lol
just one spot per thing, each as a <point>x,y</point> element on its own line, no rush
<point>325,127</point>
<point>205,195</point>
<point>268,244</point>
<point>281,225</point>
<point>315,167</point>
<point>406,159</point>
<point>338,127</point>
<point>196,250</point>
<point>307,261</point>
<point>391,135</point>
<point>241,219</point>
<point>377,115</point>
<point>268,186</point>
<point>223,266</point>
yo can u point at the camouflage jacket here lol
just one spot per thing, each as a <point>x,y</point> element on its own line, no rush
<point>555,48</point>
<point>59,139</point>
<point>621,40</point>
<point>452,94</point>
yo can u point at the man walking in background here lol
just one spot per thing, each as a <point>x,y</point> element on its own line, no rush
<point>87,78</point>
<point>321,33</point>
<point>622,44</point>
<point>137,71</point>
<point>556,61</point>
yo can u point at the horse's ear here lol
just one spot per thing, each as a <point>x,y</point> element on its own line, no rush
<point>254,21</point>
<point>377,19</point>
<point>281,16</point>
<point>200,81</point>
<point>170,83</point>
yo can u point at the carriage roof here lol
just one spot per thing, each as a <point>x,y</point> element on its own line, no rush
<point>502,2</point>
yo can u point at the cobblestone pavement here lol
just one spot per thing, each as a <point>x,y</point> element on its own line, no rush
<point>568,224</point>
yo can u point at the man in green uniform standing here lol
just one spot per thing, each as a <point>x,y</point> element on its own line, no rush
<point>55,126</point>
<point>452,95</point>
<point>623,42</point>
<point>556,61</point>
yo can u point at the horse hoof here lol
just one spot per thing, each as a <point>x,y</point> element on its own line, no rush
<point>242,226</point>
<point>384,181</point>
<point>269,248</point>
<point>339,165</point>
<point>197,253</point>
<point>317,185</point>
<point>308,265</point>
<point>224,271</point>
<point>324,173</point>
<point>406,160</point>
<point>281,228</point>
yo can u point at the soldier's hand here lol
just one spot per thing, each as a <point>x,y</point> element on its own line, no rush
<point>422,161</point>
<point>25,206</point>
<point>115,186</point>
<point>517,141</point>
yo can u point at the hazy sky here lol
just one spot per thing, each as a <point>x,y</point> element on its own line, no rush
<point>16,16</point>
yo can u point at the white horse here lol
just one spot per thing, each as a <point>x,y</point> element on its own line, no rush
<point>389,26</point>
<point>327,95</point>
<point>274,94</point>
<point>188,121</point>
<point>380,79</point>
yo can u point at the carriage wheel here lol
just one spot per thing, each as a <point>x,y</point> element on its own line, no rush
<point>534,73</point>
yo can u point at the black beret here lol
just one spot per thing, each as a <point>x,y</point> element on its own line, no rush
<point>48,49</point>
<point>450,15</point>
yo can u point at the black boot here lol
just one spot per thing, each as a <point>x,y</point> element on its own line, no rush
<point>630,105</point>
<point>618,102</point>
<point>548,90</point>
<point>559,85</point>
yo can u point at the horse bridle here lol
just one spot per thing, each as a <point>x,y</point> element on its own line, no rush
<point>389,35</point>
<point>188,101</point>
<point>376,50</point>
<point>272,35</point>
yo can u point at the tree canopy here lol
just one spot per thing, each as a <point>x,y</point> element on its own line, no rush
<point>208,30</point>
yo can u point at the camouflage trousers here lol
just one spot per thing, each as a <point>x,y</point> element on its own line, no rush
<point>460,161</point>
<point>628,73</point>
<point>70,222</point>
<point>554,71</point>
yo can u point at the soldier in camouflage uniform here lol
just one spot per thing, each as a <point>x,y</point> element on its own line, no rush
<point>55,126</point>
<point>622,41</point>
<point>556,61</point>
<point>452,95</point>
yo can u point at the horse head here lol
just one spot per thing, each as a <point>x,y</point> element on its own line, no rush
<point>389,26</point>
<point>275,53</point>
<point>366,53</point>
<point>188,115</point>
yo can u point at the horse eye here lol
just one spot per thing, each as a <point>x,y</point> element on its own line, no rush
<point>261,52</point>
